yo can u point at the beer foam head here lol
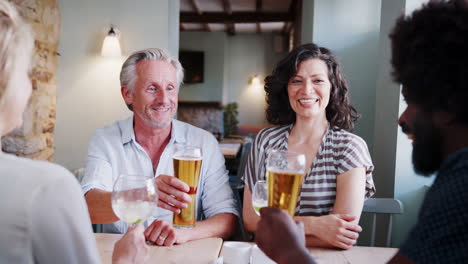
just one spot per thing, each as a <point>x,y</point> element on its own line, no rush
<point>278,171</point>
<point>186,157</point>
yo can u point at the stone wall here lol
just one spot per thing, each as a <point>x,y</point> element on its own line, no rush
<point>35,138</point>
<point>206,115</point>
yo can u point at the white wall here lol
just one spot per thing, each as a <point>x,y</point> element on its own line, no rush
<point>249,55</point>
<point>307,27</point>
<point>409,187</point>
<point>212,44</point>
<point>351,30</point>
<point>230,62</point>
<point>386,113</point>
<point>394,174</point>
<point>88,89</point>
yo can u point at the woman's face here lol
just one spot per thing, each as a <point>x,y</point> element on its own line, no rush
<point>17,96</point>
<point>309,89</point>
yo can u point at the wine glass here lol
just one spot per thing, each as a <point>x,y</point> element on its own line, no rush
<point>260,196</point>
<point>134,198</point>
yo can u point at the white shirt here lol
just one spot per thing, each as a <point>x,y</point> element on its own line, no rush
<point>44,218</point>
<point>113,150</point>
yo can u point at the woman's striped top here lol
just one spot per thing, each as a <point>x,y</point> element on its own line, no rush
<point>340,151</point>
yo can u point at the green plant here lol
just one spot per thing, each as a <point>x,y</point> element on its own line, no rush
<point>230,119</point>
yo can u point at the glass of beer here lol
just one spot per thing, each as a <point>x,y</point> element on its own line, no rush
<point>285,172</point>
<point>187,164</point>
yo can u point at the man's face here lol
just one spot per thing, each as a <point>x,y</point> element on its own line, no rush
<point>427,139</point>
<point>155,95</point>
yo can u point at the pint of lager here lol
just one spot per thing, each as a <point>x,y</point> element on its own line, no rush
<point>285,172</point>
<point>187,164</point>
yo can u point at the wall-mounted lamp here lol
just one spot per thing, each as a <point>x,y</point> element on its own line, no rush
<point>111,44</point>
<point>255,80</point>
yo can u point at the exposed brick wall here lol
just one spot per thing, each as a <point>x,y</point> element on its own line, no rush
<point>206,115</point>
<point>35,138</point>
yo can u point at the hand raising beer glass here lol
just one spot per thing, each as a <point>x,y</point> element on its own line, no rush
<point>285,172</point>
<point>187,165</point>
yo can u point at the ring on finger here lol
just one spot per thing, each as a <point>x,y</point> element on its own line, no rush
<point>162,238</point>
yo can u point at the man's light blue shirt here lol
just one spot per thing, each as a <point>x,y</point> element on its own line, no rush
<point>113,150</point>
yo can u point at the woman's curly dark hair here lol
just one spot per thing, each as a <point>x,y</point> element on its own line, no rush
<point>339,111</point>
<point>430,57</point>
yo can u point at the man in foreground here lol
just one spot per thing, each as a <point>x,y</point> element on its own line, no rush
<point>429,56</point>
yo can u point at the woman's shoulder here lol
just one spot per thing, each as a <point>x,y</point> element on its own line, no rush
<point>39,172</point>
<point>270,136</point>
<point>272,132</point>
<point>342,138</point>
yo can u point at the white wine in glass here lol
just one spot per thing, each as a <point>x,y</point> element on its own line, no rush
<point>134,198</point>
<point>260,196</point>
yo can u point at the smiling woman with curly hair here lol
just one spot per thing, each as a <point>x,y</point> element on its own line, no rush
<point>339,112</point>
<point>307,97</point>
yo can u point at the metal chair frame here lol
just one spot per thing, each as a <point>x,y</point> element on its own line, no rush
<point>388,206</point>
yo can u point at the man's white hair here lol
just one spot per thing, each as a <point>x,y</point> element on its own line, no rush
<point>128,73</point>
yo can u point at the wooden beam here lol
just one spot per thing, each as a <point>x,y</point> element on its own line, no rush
<point>235,17</point>
<point>258,9</point>
<point>194,30</point>
<point>285,28</point>
<point>230,28</point>
<point>195,6</point>
<point>293,7</point>
<point>200,12</point>
<point>297,26</point>
<point>288,26</point>
<point>258,5</point>
<point>227,6</point>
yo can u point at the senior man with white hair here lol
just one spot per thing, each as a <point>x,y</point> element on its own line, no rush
<point>143,144</point>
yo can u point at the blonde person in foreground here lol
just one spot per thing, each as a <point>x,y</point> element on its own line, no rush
<point>307,97</point>
<point>44,216</point>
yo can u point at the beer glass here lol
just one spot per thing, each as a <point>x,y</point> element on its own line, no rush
<point>285,172</point>
<point>134,198</point>
<point>187,164</point>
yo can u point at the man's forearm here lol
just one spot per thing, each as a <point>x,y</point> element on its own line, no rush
<point>100,206</point>
<point>221,225</point>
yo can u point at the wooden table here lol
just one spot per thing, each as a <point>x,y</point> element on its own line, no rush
<point>363,255</point>
<point>207,250</point>
<point>354,255</point>
<point>201,251</point>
